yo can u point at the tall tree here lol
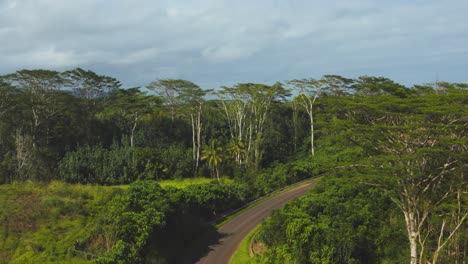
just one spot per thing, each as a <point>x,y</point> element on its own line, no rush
<point>369,86</point>
<point>424,166</point>
<point>338,85</point>
<point>39,87</point>
<point>169,89</point>
<point>309,91</point>
<point>193,99</point>
<point>246,107</point>
<point>6,98</point>
<point>127,107</point>
<point>89,85</point>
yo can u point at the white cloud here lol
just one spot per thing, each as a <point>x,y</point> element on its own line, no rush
<point>48,57</point>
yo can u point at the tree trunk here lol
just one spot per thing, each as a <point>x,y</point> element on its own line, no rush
<point>199,128</point>
<point>412,236</point>
<point>413,250</point>
<point>312,150</point>
<point>193,137</point>
<point>132,134</point>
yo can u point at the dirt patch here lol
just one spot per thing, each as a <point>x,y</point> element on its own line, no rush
<point>27,209</point>
<point>258,247</point>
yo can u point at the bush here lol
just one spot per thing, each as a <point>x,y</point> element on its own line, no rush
<point>209,200</point>
<point>118,165</point>
<point>130,220</point>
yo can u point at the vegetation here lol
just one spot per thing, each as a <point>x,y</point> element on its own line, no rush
<point>242,255</point>
<point>57,222</point>
<point>396,178</point>
<point>82,162</point>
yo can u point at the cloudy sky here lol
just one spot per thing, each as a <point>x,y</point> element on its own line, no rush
<point>217,42</point>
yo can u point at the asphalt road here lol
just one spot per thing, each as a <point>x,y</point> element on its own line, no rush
<point>235,230</point>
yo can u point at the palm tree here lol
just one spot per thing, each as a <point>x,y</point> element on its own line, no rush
<point>237,149</point>
<point>213,154</point>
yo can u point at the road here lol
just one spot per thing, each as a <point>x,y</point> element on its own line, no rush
<point>233,232</point>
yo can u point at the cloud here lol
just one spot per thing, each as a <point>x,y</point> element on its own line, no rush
<point>220,42</point>
<point>138,56</point>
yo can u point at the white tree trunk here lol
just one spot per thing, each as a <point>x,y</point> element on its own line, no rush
<point>412,236</point>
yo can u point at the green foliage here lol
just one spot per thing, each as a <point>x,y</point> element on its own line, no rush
<point>209,200</point>
<point>339,221</point>
<point>80,127</point>
<point>392,150</point>
<point>176,161</point>
<point>213,154</point>
<point>141,222</point>
<point>41,223</point>
<point>130,220</point>
<point>117,165</point>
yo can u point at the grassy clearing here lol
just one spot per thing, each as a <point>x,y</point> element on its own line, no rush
<point>242,254</point>
<point>183,183</point>
<point>40,223</point>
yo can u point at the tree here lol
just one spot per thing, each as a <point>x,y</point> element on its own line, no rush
<point>369,86</point>
<point>423,175</point>
<point>214,155</point>
<point>309,91</point>
<point>39,87</point>
<point>337,85</point>
<point>6,98</point>
<point>192,97</point>
<point>169,89</point>
<point>127,107</point>
<point>246,108</point>
<point>89,85</point>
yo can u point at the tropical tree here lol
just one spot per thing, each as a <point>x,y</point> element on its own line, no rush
<point>39,87</point>
<point>309,91</point>
<point>246,108</point>
<point>213,154</point>
<point>338,85</point>
<point>169,90</point>
<point>369,86</point>
<point>127,107</point>
<point>424,169</point>
<point>90,85</point>
<point>193,99</point>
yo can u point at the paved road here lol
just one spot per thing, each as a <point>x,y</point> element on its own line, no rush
<point>235,230</point>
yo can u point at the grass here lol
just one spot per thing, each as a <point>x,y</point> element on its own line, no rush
<point>40,222</point>
<point>183,183</point>
<point>242,254</point>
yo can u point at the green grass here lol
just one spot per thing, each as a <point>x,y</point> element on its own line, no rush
<point>39,223</point>
<point>183,183</point>
<point>242,254</point>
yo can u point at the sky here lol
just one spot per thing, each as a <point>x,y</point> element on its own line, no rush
<point>217,42</point>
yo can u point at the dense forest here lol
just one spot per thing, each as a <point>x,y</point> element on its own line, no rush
<point>82,159</point>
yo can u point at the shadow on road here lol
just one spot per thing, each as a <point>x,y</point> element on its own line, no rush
<point>200,247</point>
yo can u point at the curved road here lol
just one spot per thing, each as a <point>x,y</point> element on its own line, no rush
<point>235,230</point>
